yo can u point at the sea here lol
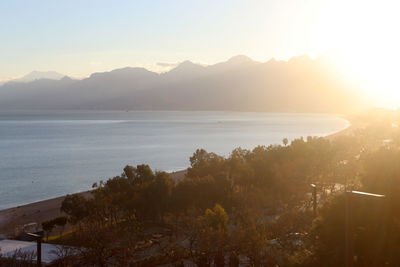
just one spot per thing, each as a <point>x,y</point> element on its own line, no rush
<point>47,154</point>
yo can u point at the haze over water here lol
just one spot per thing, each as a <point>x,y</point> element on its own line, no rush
<point>44,155</point>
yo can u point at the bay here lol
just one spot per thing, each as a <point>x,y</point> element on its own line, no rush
<point>47,154</point>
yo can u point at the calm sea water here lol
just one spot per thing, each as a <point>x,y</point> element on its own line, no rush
<point>43,155</point>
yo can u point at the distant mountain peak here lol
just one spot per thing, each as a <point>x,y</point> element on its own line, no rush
<point>239,59</point>
<point>186,67</point>
<point>239,84</point>
<point>129,69</point>
<point>125,72</point>
<point>39,75</point>
<point>66,78</point>
<point>187,64</point>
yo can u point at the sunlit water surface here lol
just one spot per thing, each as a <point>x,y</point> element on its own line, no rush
<point>43,155</point>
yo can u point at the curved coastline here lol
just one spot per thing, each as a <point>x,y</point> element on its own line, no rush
<point>46,209</point>
<point>346,131</point>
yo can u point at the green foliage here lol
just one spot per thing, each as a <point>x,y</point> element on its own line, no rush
<point>215,218</point>
<point>257,184</point>
<point>203,164</point>
<point>209,236</point>
<point>382,172</point>
<point>138,193</point>
<point>60,221</point>
<point>256,204</point>
<point>285,141</point>
<point>76,207</point>
<point>374,222</point>
<point>48,225</point>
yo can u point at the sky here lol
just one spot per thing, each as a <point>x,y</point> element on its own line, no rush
<point>77,38</point>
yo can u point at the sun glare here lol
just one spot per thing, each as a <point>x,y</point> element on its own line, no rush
<point>364,36</point>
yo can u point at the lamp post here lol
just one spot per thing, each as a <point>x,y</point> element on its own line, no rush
<point>38,249</point>
<point>348,223</point>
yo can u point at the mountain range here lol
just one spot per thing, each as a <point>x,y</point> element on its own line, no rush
<point>300,84</point>
<point>35,75</point>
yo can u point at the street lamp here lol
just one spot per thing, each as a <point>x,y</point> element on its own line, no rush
<point>38,238</point>
<point>348,229</point>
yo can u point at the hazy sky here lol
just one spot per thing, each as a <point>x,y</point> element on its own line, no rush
<point>77,38</point>
<point>80,37</point>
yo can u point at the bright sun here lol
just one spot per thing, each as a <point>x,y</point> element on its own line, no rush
<point>365,34</point>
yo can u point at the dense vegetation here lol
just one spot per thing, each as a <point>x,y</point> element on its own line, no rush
<point>253,207</point>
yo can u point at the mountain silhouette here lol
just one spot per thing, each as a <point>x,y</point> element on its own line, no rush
<point>39,75</point>
<point>240,83</point>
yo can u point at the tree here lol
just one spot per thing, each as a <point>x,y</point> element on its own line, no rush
<point>47,227</point>
<point>375,232</point>
<point>285,141</point>
<point>61,222</point>
<point>209,236</point>
<point>203,164</point>
<point>76,207</point>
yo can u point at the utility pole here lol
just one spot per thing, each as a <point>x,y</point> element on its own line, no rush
<point>349,233</point>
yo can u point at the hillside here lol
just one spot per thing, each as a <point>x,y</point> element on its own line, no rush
<point>241,84</point>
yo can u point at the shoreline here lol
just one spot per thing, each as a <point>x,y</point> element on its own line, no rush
<point>346,131</point>
<point>39,211</point>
